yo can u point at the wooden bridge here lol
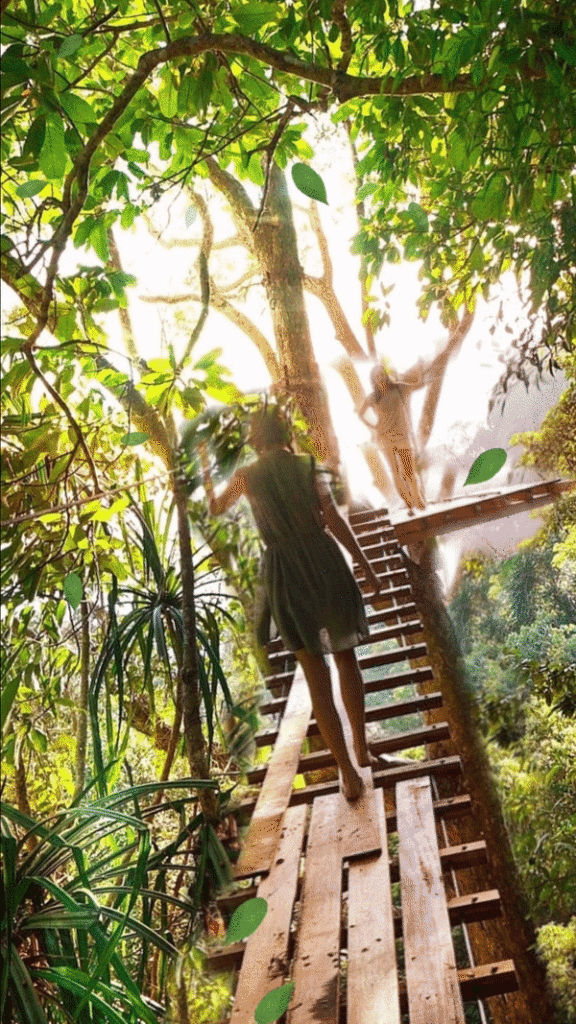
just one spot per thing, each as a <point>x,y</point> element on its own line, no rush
<point>358,913</point>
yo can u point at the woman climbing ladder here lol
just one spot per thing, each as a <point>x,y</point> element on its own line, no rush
<point>310,592</point>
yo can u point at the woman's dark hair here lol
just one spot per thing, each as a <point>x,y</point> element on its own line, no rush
<point>269,429</point>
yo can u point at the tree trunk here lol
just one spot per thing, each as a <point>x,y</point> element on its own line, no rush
<point>274,246</point>
<point>82,705</point>
<point>531,1005</point>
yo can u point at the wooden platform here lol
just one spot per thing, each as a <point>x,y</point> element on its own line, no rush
<point>467,511</point>
<point>335,927</point>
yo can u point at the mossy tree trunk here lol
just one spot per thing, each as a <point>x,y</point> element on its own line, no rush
<point>514,935</point>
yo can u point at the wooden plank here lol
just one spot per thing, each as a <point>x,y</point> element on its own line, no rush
<point>380,713</point>
<point>397,654</point>
<point>274,796</point>
<point>316,966</point>
<point>387,778</point>
<point>399,741</point>
<point>447,807</point>
<point>414,676</point>
<point>372,980</point>
<point>478,906</point>
<point>265,961</point>
<point>431,974</point>
<point>466,855</point>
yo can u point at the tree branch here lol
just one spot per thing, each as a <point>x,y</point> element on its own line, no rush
<point>68,414</point>
<point>360,212</point>
<point>219,302</point>
<point>203,256</point>
<point>435,374</point>
<point>317,286</point>
<point>346,44</point>
<point>123,312</point>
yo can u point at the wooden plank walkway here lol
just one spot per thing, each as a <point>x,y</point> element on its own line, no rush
<point>265,962</point>
<point>328,883</point>
<point>274,797</point>
<point>372,987</point>
<point>431,976</point>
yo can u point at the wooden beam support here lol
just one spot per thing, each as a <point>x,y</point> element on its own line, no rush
<point>380,713</point>
<point>399,741</point>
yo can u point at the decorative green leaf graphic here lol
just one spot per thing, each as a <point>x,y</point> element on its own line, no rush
<point>486,466</point>
<point>30,188</point>
<point>135,438</point>
<point>190,216</point>
<point>73,589</point>
<point>273,1005</point>
<point>308,182</point>
<point>70,45</point>
<point>246,919</point>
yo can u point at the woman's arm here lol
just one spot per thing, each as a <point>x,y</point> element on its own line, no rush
<point>341,531</point>
<point>234,490</point>
<point>230,495</point>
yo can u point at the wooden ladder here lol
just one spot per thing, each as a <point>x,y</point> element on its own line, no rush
<point>333,926</point>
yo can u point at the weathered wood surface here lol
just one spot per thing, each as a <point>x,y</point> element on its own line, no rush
<point>471,510</point>
<point>431,974</point>
<point>380,713</point>
<point>274,795</point>
<point>372,979</point>
<point>359,828</point>
<point>316,967</point>
<point>265,961</point>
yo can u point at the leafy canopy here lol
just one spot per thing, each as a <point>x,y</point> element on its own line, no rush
<point>463,116</point>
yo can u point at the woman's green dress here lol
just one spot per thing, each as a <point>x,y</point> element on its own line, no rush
<point>310,592</point>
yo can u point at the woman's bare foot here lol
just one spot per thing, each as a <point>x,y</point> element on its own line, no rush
<point>380,761</point>
<point>352,786</point>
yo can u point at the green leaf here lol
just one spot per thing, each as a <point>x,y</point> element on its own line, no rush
<point>168,95</point>
<point>99,241</point>
<point>31,188</point>
<point>486,466</point>
<point>246,919</point>
<point>53,154</point>
<point>274,1004</point>
<point>190,216</point>
<point>39,740</point>
<point>419,216</point>
<point>70,45</point>
<point>136,438</point>
<point>309,182</point>
<point>73,589</point>
<point>35,137</point>
<point>252,16</point>
<point>9,692</point>
<point>77,108</point>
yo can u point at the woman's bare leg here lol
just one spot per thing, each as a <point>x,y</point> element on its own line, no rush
<point>317,676</point>
<point>352,690</point>
<point>412,483</point>
<point>400,484</point>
